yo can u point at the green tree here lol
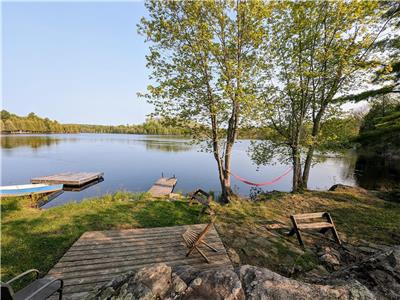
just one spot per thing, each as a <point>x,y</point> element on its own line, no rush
<point>205,61</point>
<point>319,50</point>
<point>9,126</point>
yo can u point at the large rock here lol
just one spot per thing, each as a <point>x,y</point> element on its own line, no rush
<point>263,284</point>
<point>378,276</point>
<point>149,283</point>
<point>380,273</point>
<point>347,188</point>
<point>222,284</point>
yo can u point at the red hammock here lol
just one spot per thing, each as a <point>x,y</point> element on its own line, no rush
<point>262,183</point>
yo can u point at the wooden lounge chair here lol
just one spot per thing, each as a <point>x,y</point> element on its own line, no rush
<point>323,226</point>
<point>201,197</point>
<point>41,288</point>
<point>193,239</point>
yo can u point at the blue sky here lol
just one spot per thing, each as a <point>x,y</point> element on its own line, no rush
<point>76,62</point>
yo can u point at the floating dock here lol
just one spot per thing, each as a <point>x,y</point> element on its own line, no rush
<point>163,187</point>
<point>99,256</point>
<point>70,179</point>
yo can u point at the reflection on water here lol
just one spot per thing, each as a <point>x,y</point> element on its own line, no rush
<point>82,187</point>
<point>14,141</point>
<point>167,146</point>
<point>377,171</point>
<point>135,162</point>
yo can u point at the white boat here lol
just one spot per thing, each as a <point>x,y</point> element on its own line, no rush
<point>28,189</point>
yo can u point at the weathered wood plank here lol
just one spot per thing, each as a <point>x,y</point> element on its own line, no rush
<point>139,249</point>
<point>99,256</point>
<point>309,216</point>
<point>314,225</point>
<point>111,243</point>
<point>105,263</point>
<point>137,231</point>
<point>163,187</point>
<point>69,178</point>
<point>131,255</point>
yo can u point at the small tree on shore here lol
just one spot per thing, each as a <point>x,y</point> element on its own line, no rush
<point>205,62</point>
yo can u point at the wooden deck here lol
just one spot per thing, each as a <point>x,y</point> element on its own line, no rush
<point>71,179</point>
<point>98,256</point>
<point>163,187</point>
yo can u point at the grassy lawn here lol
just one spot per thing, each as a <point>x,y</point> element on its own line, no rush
<point>257,230</point>
<point>33,238</point>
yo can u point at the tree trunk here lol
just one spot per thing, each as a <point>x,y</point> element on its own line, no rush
<point>307,166</point>
<point>224,165</point>
<point>311,148</point>
<point>297,179</point>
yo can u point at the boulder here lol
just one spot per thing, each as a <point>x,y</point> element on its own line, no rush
<point>151,282</point>
<point>233,256</point>
<point>330,258</point>
<point>148,283</point>
<point>347,188</point>
<point>263,284</point>
<point>222,284</point>
<point>380,273</point>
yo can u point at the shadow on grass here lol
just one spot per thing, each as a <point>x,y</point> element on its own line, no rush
<point>9,205</point>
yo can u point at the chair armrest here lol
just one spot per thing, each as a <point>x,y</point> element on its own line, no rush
<point>46,285</point>
<point>23,274</point>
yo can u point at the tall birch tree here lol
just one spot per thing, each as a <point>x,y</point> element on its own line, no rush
<point>319,51</point>
<point>204,63</point>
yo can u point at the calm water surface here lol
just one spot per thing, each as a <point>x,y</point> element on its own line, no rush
<point>134,162</point>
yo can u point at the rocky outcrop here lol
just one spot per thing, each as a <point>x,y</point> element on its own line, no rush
<point>247,282</point>
<point>223,284</point>
<point>380,273</point>
<point>263,284</point>
<point>150,283</point>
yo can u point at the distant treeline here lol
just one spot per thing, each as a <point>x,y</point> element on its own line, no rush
<point>11,123</point>
<point>345,128</point>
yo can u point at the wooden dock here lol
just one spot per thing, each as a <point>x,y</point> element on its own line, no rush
<point>163,187</point>
<point>99,256</point>
<point>71,179</point>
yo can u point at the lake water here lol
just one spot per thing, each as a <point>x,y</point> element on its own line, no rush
<point>135,162</point>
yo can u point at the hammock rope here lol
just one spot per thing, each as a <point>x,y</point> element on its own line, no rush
<point>262,183</point>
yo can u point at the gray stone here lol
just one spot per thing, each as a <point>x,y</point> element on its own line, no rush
<point>234,257</point>
<point>330,258</point>
<point>222,284</point>
<point>178,285</point>
<point>263,284</point>
<point>380,273</point>
<point>151,282</point>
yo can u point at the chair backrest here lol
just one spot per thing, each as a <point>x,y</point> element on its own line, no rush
<point>309,216</point>
<point>6,291</point>
<point>202,197</point>
<point>203,233</point>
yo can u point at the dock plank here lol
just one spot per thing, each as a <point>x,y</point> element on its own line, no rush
<point>69,178</point>
<point>163,187</point>
<point>98,256</point>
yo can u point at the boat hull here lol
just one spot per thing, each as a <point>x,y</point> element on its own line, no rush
<point>28,189</point>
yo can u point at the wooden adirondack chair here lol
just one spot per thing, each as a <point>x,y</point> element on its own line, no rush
<point>193,239</point>
<point>40,289</point>
<point>201,197</point>
<point>323,227</point>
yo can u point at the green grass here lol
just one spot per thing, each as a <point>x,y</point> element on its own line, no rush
<point>257,230</point>
<point>33,238</point>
